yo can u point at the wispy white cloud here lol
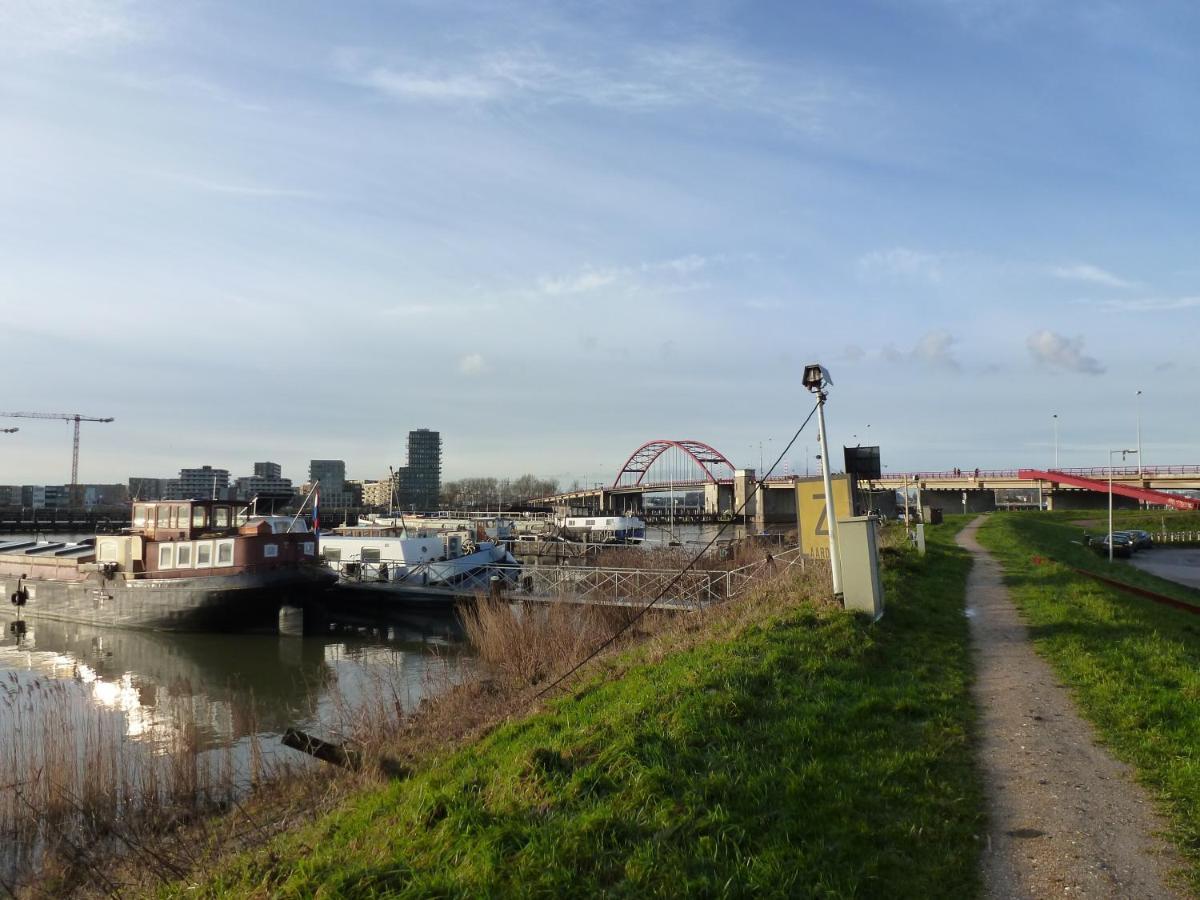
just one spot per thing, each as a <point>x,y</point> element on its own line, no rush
<point>238,188</point>
<point>72,26</point>
<point>1148,304</point>
<point>472,364</point>
<point>933,349</point>
<point>641,79</point>
<point>1090,274</point>
<point>1059,352</point>
<point>582,282</point>
<point>901,262</point>
<point>661,276</point>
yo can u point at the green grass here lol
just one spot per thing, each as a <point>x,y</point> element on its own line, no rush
<point>1057,537</point>
<point>1132,665</point>
<point>810,754</point>
<point>1152,520</point>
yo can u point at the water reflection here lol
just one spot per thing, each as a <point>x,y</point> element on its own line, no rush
<point>231,686</point>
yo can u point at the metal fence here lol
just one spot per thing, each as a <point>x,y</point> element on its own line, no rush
<point>693,588</point>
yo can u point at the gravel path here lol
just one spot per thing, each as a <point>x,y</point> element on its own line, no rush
<point>1065,818</point>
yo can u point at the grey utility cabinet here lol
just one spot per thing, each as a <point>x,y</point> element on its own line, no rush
<point>862,589</point>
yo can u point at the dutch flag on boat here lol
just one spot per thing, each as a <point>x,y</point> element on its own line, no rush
<point>317,512</point>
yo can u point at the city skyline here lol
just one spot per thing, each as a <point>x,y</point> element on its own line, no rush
<point>561,231</point>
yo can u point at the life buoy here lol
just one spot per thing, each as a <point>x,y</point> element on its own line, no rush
<point>19,597</point>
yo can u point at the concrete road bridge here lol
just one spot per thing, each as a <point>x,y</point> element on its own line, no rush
<point>679,466</point>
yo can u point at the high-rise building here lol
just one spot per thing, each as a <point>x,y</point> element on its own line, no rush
<point>268,470</point>
<point>267,485</point>
<point>332,475</point>
<point>419,483</point>
<point>203,483</point>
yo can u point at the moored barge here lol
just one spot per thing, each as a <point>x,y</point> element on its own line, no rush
<point>190,565</point>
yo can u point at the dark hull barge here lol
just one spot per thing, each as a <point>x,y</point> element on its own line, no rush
<point>183,566</point>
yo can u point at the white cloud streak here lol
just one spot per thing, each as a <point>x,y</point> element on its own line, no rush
<point>644,79</point>
<point>65,26</point>
<point>1089,274</point>
<point>1058,352</point>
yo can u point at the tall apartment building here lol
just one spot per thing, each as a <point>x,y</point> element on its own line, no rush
<point>267,484</point>
<point>202,484</point>
<point>268,470</point>
<point>332,475</point>
<point>419,483</point>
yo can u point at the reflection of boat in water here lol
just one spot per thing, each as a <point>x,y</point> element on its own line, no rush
<point>391,558</point>
<point>231,685</point>
<point>234,684</point>
<point>184,565</point>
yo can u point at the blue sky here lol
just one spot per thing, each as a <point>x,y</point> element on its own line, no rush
<point>554,231</point>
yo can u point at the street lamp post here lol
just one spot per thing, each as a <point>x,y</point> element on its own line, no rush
<point>1138,401</point>
<point>1111,454</point>
<point>1055,440</point>
<point>816,379</point>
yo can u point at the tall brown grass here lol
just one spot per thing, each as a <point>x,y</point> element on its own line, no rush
<point>76,786</point>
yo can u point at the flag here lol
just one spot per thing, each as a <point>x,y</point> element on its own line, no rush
<point>317,512</point>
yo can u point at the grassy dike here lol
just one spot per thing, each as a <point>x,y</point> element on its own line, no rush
<point>804,752</point>
<point>1132,665</point>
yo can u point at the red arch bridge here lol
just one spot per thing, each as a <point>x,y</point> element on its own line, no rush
<point>717,489</point>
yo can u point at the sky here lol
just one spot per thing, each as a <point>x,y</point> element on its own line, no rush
<point>554,231</point>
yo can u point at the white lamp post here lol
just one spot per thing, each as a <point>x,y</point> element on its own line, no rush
<point>1138,400</point>
<point>1055,440</point>
<point>1111,454</point>
<point>816,379</point>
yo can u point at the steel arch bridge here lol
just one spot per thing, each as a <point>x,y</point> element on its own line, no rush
<point>676,462</point>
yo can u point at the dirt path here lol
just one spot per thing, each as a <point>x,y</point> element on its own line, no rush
<point>1065,818</point>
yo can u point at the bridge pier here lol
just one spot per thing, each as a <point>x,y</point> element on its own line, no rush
<point>951,501</point>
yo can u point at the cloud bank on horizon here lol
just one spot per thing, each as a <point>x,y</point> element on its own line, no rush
<point>553,231</point>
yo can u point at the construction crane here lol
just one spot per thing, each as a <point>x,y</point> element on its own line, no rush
<point>66,417</point>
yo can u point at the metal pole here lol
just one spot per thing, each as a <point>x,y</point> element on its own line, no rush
<point>907,518</point>
<point>1056,440</point>
<point>1138,401</point>
<point>1110,505</point>
<point>835,563</point>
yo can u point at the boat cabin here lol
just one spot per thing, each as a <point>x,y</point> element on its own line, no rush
<point>176,538</point>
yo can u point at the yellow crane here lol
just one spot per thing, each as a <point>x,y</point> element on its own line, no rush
<point>66,417</point>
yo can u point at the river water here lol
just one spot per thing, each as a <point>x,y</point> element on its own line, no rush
<point>233,686</point>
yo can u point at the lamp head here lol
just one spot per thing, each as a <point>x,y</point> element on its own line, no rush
<point>816,377</point>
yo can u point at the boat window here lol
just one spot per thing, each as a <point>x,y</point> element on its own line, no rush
<point>183,556</point>
<point>310,548</point>
<point>370,554</point>
<point>181,517</point>
<point>224,550</point>
<point>221,517</point>
<point>590,522</point>
<point>270,550</point>
<point>139,516</point>
<point>199,516</point>
<point>204,554</point>
<point>108,552</point>
<point>333,554</point>
<point>166,556</point>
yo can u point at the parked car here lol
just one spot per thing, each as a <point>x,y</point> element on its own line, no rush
<point>1141,539</point>
<point>1122,545</point>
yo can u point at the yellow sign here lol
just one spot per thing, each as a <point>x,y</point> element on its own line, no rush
<point>810,509</point>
